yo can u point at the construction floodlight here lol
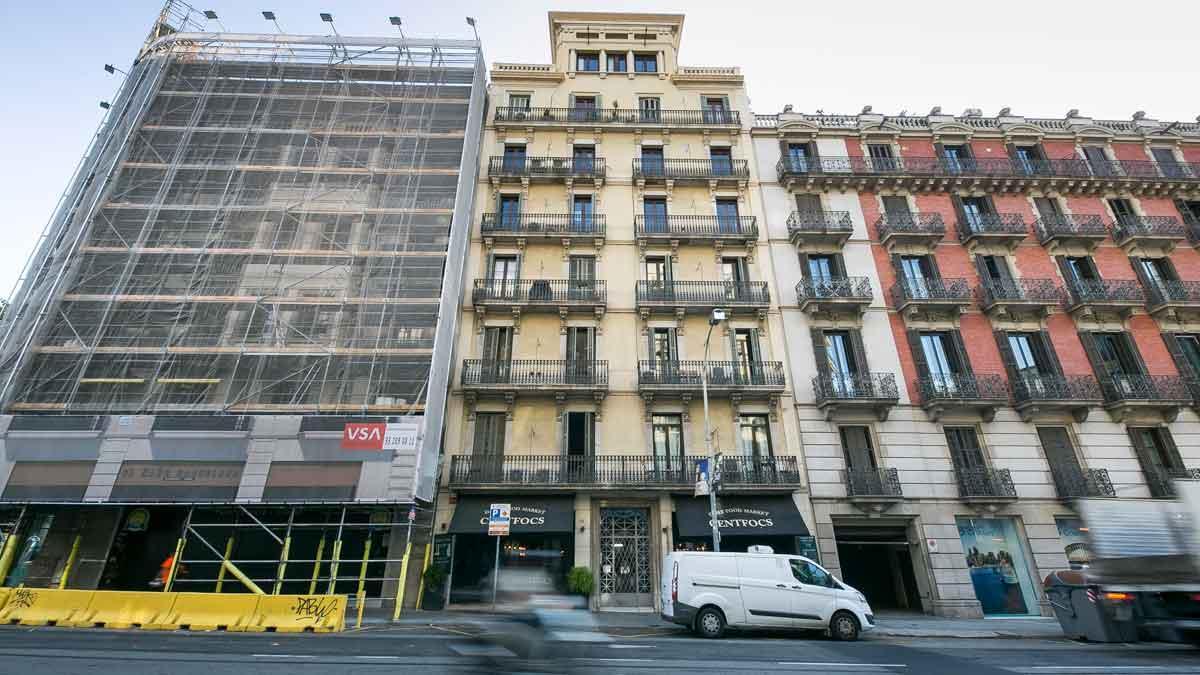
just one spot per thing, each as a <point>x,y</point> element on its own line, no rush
<point>394,20</point>
<point>105,104</point>
<point>471,21</point>
<point>210,15</point>
<point>108,68</point>
<point>326,17</point>
<point>269,16</point>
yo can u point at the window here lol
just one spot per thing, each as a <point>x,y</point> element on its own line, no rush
<point>1047,208</point>
<point>584,158</point>
<point>510,211</point>
<point>652,160</point>
<point>654,213</point>
<point>727,216</point>
<point>716,110</point>
<point>1189,345</point>
<point>658,269</point>
<point>489,433</point>
<point>799,156</point>
<point>957,158</point>
<point>1097,160</point>
<point>857,449</point>
<point>1122,210</point>
<point>733,270</point>
<point>1080,269</point>
<point>584,108</point>
<point>497,344</point>
<point>809,204</point>
<point>1064,464</point>
<point>581,346</point>
<point>841,362</point>
<point>582,273</point>
<point>944,362</point>
<point>1116,355</point>
<point>505,268</point>
<point>897,211</point>
<point>580,434</point>
<point>581,214</point>
<point>518,101</point>
<point>1029,159</point>
<point>1167,164</point>
<point>514,158</point>
<point>662,346</point>
<point>916,272</point>
<point>994,269</point>
<point>617,63</point>
<point>808,573</point>
<point>722,161</point>
<point>964,449</point>
<point>645,63</point>
<point>588,62</point>
<point>881,156</point>
<point>667,436</point>
<point>649,108</point>
<point>745,349</point>
<point>974,211</point>
<point>755,437</point>
<point>1159,457</point>
<point>1189,210</point>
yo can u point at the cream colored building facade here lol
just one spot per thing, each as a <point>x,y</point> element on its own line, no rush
<point>617,207</point>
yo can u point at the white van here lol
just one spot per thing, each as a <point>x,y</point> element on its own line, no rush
<point>709,591</point>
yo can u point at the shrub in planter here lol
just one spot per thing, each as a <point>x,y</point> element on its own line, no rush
<point>580,581</point>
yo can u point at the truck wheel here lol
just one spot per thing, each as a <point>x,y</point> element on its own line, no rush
<point>843,627</point>
<point>710,623</point>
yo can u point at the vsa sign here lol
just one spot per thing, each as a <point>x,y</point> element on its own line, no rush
<point>377,436</point>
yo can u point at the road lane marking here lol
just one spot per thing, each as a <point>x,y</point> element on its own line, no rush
<point>1089,669</point>
<point>284,656</point>
<point>633,646</point>
<point>378,658</point>
<point>841,665</point>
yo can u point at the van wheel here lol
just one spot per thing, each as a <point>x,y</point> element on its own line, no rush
<point>710,623</point>
<point>843,627</point>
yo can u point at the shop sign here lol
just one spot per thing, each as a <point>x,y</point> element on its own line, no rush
<point>137,520</point>
<point>207,474</point>
<point>498,520</point>
<point>378,436</point>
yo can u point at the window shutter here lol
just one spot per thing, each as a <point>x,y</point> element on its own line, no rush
<point>1006,354</point>
<point>1051,355</point>
<point>1064,269</point>
<point>785,152</point>
<point>1185,212</point>
<point>960,212</point>
<point>1133,351</point>
<point>964,361</point>
<point>1088,340</point>
<point>934,272</point>
<point>1140,270</point>
<point>804,270</point>
<point>940,151</point>
<point>1173,456</point>
<point>818,340</point>
<point>1181,363</point>
<point>982,270</point>
<point>861,365</point>
<point>839,265</point>
<point>918,354</point>
<point>1011,150</point>
<point>812,151</point>
<point>1146,456</point>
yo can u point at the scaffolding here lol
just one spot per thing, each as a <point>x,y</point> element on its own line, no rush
<point>261,225</point>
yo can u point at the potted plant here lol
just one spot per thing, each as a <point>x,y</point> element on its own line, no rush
<point>435,584</point>
<point>580,581</point>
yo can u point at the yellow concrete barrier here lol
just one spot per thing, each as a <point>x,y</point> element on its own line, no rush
<point>45,606</point>
<point>211,611</point>
<point>4,593</point>
<point>127,609</point>
<point>300,613</point>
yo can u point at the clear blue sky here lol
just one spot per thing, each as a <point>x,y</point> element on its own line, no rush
<point>1040,57</point>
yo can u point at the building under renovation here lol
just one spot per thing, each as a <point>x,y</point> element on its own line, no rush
<point>250,256</point>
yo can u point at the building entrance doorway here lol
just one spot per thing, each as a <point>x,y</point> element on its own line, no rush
<point>876,560</point>
<point>625,572</point>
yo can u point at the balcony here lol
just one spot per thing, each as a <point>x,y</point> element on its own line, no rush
<point>874,392</point>
<point>986,489</point>
<point>1073,482</point>
<point>954,393</point>
<point>555,226</point>
<point>546,295</point>
<point>1070,231</point>
<point>1002,229</point>
<point>1126,394</point>
<point>697,229</point>
<point>922,230</point>
<point>624,472</point>
<point>912,297</point>
<point>690,170</point>
<point>725,378</point>
<point>481,376</point>
<point>873,490</point>
<point>834,295</point>
<point>681,297</point>
<point>1171,298</point>
<point>1019,297</point>
<point>1159,233</point>
<point>1035,394</point>
<point>1089,296</point>
<point>819,230</point>
<point>1069,176</point>
<point>1162,481</point>
<point>615,117</point>
<point>546,169</point>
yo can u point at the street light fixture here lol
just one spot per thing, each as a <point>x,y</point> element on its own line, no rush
<point>717,316</point>
<point>471,23</point>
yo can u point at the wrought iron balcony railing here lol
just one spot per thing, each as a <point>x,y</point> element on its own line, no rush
<point>1168,389</point>
<point>540,291</point>
<point>1028,388</point>
<point>1105,291</point>
<point>720,374</point>
<point>1070,226</point>
<point>697,227</point>
<point>704,293</point>
<point>1000,167</point>
<point>956,387</point>
<point>625,471</point>
<point>534,373</point>
<point>553,224</point>
<point>925,224</point>
<point>856,387</point>
<point>1157,227</point>
<point>979,482</point>
<point>835,288</point>
<point>619,116</point>
<point>939,291</point>
<point>1161,293</point>
<point>1160,481</point>
<point>820,222</point>
<point>1072,482</point>
<point>547,167</point>
<point>1025,291</point>
<point>683,169</point>
<point>992,224</point>
<point>873,483</point>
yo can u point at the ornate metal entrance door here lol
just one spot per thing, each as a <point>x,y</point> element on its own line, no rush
<point>625,572</point>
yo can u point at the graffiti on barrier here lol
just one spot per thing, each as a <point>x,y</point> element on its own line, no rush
<point>313,609</point>
<point>22,598</point>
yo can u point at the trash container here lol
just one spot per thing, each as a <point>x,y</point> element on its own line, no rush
<point>1085,612</point>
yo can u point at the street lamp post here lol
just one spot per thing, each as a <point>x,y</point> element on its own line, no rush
<point>718,315</point>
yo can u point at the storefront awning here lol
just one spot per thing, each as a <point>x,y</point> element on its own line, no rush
<point>767,516</point>
<point>529,515</point>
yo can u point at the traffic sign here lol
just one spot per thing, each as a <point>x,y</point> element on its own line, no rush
<point>498,520</point>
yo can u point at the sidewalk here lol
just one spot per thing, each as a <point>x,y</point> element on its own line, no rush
<point>888,625</point>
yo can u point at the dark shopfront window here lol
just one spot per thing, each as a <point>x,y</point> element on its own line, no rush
<point>530,564</point>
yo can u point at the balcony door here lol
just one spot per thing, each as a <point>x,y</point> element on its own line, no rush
<point>862,471</point>
<point>584,157</point>
<point>975,211</point>
<point>1159,458</point>
<point>715,110</point>
<point>942,362</point>
<point>841,360</point>
<point>652,160</point>
<point>722,161</point>
<point>993,269</point>
<point>1048,208</point>
<point>1156,275</point>
<point>821,270</point>
<point>1097,160</point>
<point>514,158</point>
<point>497,354</point>
<point>490,428</point>
<point>667,436</point>
<point>897,211</point>
<point>650,109</point>
<point>965,451</point>
<point>1167,164</point>
<point>882,158</point>
<point>746,354</point>
<point>654,213</point>
<point>1030,361</point>
<point>581,355</point>
<point>1117,357</point>
<point>1063,461</point>
<point>579,434</point>
<point>916,271</point>
<point>755,438</point>
<point>510,212</point>
<point>664,353</point>
<point>582,212</point>
<point>1122,210</point>
<point>503,276</point>
<point>658,278</point>
<point>581,271</point>
<point>734,275</point>
<point>957,158</point>
<point>1028,159</point>
<point>799,157</point>
<point>727,216</point>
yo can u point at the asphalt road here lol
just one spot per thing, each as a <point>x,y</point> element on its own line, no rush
<point>45,651</point>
